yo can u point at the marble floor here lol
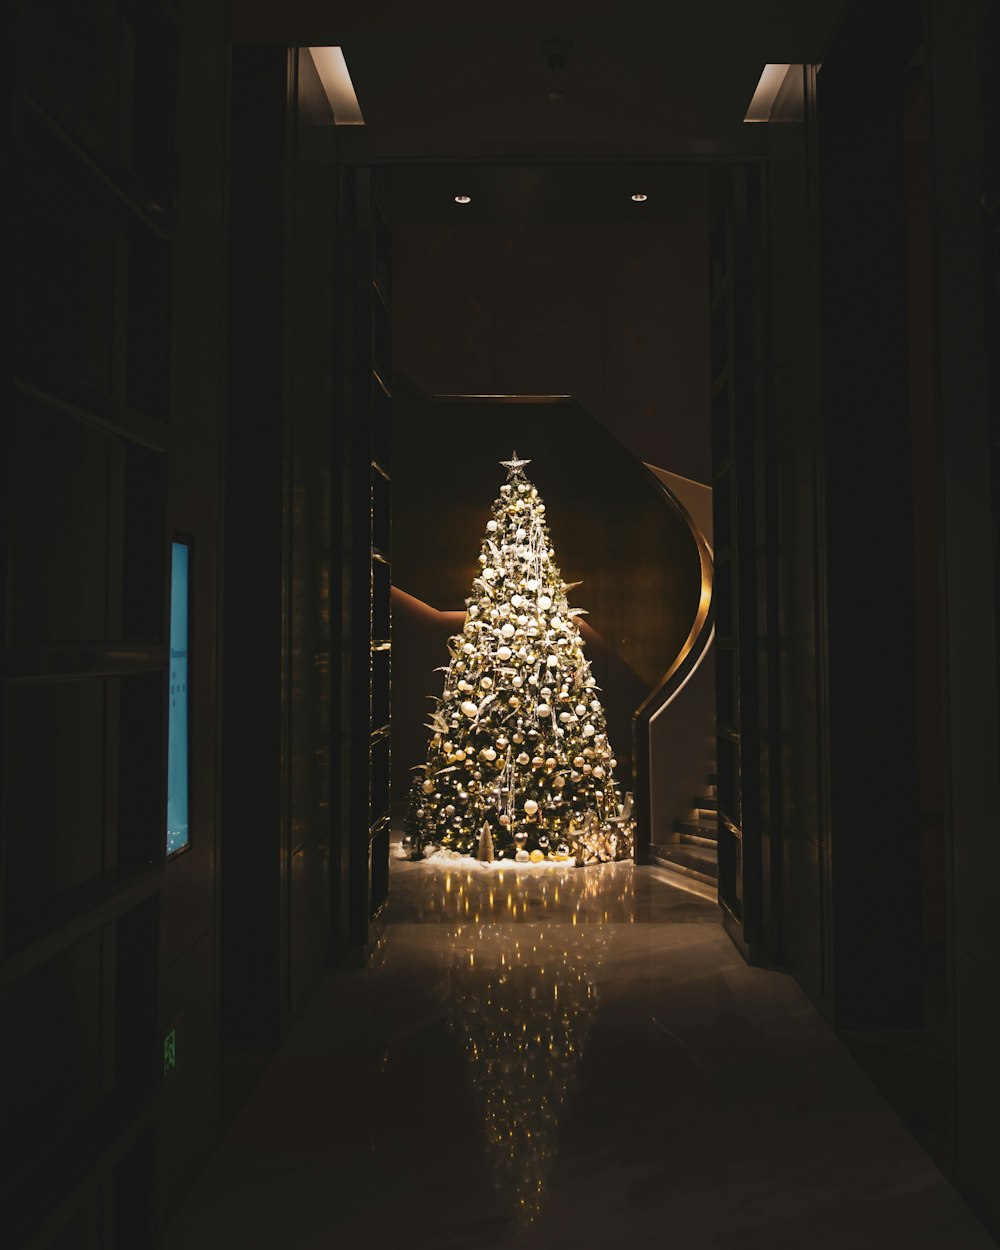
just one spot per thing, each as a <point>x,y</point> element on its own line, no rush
<point>548,1058</point>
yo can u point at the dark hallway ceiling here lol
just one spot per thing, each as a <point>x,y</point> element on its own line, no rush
<point>464,81</point>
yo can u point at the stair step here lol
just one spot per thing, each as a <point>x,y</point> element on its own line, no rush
<point>708,802</point>
<point>713,779</point>
<point>692,861</point>
<point>704,830</point>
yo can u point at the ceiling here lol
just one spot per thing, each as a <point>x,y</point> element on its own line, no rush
<point>642,80</point>
<point>543,193</point>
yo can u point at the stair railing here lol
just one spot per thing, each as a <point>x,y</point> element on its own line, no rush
<point>691,655</point>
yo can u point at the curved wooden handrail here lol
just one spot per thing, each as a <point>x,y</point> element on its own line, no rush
<point>688,659</point>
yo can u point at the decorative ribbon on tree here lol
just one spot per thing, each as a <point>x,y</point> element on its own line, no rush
<point>518,737</point>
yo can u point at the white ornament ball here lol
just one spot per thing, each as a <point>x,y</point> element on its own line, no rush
<point>591,681</point>
<point>532,584</point>
<point>469,649</point>
<point>521,535</point>
<point>581,709</point>
<point>553,662</point>
<point>522,856</point>
<point>488,754</point>
<point>544,602</point>
<point>482,559</point>
<point>491,526</point>
<point>486,683</point>
<point>588,731</point>
<point>543,709</point>
<point>613,763</point>
<point>504,653</point>
<point>470,708</point>
<point>595,706</point>
<point>507,630</point>
<point>598,771</point>
<point>565,717</point>
<point>517,682</point>
<point>516,600</point>
<point>530,807</point>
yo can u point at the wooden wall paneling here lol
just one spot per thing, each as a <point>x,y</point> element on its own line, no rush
<point>963,48</point>
<point>83,596</point>
<point>800,784</point>
<point>366,643</point>
<point>186,151</point>
<point>282,558</point>
<point>868,539</point>
<point>253,860</point>
<point>728,445</point>
<point>310,371</point>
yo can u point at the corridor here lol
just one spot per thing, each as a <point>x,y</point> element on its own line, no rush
<point>554,1057</point>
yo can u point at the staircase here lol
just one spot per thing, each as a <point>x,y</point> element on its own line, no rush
<point>692,850</point>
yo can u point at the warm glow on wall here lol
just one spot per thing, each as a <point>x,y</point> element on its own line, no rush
<point>766,93</point>
<point>336,80</point>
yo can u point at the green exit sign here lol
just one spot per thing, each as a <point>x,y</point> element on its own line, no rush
<point>170,1052</point>
<point>172,1049</point>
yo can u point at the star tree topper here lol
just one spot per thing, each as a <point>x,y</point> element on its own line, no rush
<point>514,467</point>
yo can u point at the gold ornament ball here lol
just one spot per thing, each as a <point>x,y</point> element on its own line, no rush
<point>536,857</point>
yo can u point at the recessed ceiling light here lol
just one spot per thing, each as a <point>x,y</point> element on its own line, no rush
<point>463,199</point>
<point>640,198</point>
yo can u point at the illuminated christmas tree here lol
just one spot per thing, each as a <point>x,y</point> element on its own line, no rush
<point>519,742</point>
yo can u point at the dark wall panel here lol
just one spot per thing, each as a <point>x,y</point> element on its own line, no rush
<point>52,1041</point>
<point>58,570</point>
<point>614,315</point>
<point>54,796</point>
<point>868,521</point>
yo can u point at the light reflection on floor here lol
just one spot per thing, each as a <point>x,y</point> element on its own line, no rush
<point>557,1058</point>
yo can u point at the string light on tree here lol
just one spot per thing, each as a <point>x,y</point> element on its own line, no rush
<point>519,745</point>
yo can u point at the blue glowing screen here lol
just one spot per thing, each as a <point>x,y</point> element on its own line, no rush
<point>177,724</point>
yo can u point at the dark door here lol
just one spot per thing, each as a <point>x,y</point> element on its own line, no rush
<point>735,575</point>
<point>365,735</point>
